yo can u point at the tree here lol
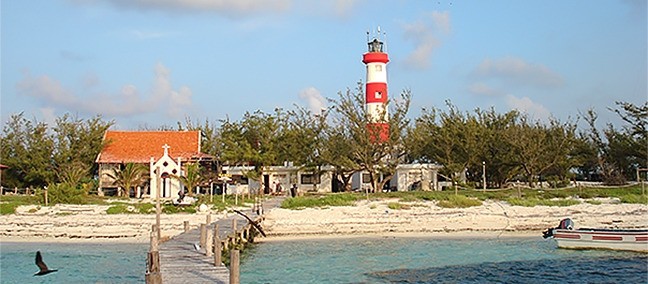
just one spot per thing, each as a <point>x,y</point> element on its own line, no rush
<point>131,175</point>
<point>77,144</point>
<point>192,177</point>
<point>27,147</point>
<point>252,141</point>
<point>378,158</point>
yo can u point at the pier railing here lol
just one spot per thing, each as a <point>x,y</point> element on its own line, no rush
<point>199,255</point>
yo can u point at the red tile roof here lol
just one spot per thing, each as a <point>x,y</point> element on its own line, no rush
<point>140,146</point>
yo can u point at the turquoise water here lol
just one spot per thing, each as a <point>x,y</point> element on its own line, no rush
<point>425,260</point>
<point>77,263</point>
<point>347,260</point>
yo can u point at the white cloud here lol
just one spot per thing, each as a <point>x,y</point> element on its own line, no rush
<point>127,102</point>
<point>484,89</point>
<point>45,88</point>
<point>316,102</point>
<point>228,8</point>
<point>344,8</point>
<point>526,105</point>
<point>513,70</point>
<point>425,34</point>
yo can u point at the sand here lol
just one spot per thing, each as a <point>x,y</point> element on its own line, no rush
<point>90,223</point>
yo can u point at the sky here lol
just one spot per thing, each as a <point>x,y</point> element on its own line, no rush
<point>145,63</point>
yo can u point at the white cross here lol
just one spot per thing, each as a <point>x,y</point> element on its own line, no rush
<point>166,149</point>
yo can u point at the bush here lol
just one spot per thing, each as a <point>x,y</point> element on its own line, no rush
<point>531,202</point>
<point>459,201</point>
<point>170,209</point>
<point>634,198</point>
<point>337,199</point>
<point>8,208</point>
<point>65,194</point>
<point>397,206</point>
<point>118,209</point>
<point>145,208</point>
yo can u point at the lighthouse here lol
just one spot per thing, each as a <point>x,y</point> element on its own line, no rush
<point>376,89</point>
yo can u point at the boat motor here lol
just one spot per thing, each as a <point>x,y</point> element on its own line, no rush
<point>566,224</point>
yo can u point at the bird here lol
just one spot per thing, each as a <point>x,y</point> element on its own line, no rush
<point>43,267</point>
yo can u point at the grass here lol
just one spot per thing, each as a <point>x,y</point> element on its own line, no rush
<point>531,202</point>
<point>459,201</point>
<point>397,206</point>
<point>334,199</point>
<point>9,203</point>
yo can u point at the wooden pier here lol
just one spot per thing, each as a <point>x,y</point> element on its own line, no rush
<point>187,258</point>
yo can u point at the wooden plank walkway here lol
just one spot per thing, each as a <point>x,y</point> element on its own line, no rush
<point>181,263</point>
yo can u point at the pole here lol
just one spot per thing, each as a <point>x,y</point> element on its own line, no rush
<point>203,235</point>
<point>234,267</point>
<point>218,249</point>
<point>158,209</point>
<point>153,275</point>
<point>484,175</point>
<point>186,226</point>
<point>211,191</point>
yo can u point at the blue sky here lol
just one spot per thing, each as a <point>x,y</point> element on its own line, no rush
<point>152,63</point>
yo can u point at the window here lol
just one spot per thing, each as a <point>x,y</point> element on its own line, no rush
<point>239,179</point>
<point>378,68</point>
<point>378,95</point>
<point>310,179</point>
<point>366,178</point>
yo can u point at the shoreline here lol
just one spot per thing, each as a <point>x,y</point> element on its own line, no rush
<point>366,219</point>
<point>460,235</point>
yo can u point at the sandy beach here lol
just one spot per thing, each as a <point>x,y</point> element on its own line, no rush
<point>90,223</point>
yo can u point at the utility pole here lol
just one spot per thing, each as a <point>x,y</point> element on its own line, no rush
<point>484,175</point>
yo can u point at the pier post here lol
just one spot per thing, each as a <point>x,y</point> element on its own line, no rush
<point>186,226</point>
<point>203,235</point>
<point>208,219</point>
<point>153,275</point>
<point>209,242</point>
<point>218,250</point>
<point>234,267</point>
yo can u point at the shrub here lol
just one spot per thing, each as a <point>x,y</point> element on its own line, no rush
<point>634,198</point>
<point>339,199</point>
<point>459,201</point>
<point>397,206</point>
<point>64,193</point>
<point>145,208</point>
<point>531,202</point>
<point>8,208</point>
<point>117,209</point>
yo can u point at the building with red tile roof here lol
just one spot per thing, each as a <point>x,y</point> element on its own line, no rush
<point>173,148</point>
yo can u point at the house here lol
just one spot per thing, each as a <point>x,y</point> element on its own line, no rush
<point>167,151</point>
<point>407,177</point>
<point>278,178</point>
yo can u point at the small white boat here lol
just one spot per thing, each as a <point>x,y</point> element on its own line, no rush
<point>614,239</point>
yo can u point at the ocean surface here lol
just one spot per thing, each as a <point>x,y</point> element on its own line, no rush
<point>347,260</point>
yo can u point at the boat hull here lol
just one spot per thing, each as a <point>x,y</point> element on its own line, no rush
<point>631,240</point>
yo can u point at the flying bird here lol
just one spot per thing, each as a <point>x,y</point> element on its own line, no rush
<point>43,267</point>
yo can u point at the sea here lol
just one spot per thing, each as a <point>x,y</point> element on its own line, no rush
<point>347,260</point>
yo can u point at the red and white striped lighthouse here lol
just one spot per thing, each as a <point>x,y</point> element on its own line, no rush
<point>376,89</point>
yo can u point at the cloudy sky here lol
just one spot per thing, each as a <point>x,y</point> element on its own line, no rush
<point>152,63</point>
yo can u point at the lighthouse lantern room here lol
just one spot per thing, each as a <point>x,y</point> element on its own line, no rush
<point>376,89</point>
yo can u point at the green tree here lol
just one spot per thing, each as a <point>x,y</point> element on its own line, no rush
<point>27,148</point>
<point>251,142</point>
<point>192,177</point>
<point>129,176</point>
<point>367,152</point>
